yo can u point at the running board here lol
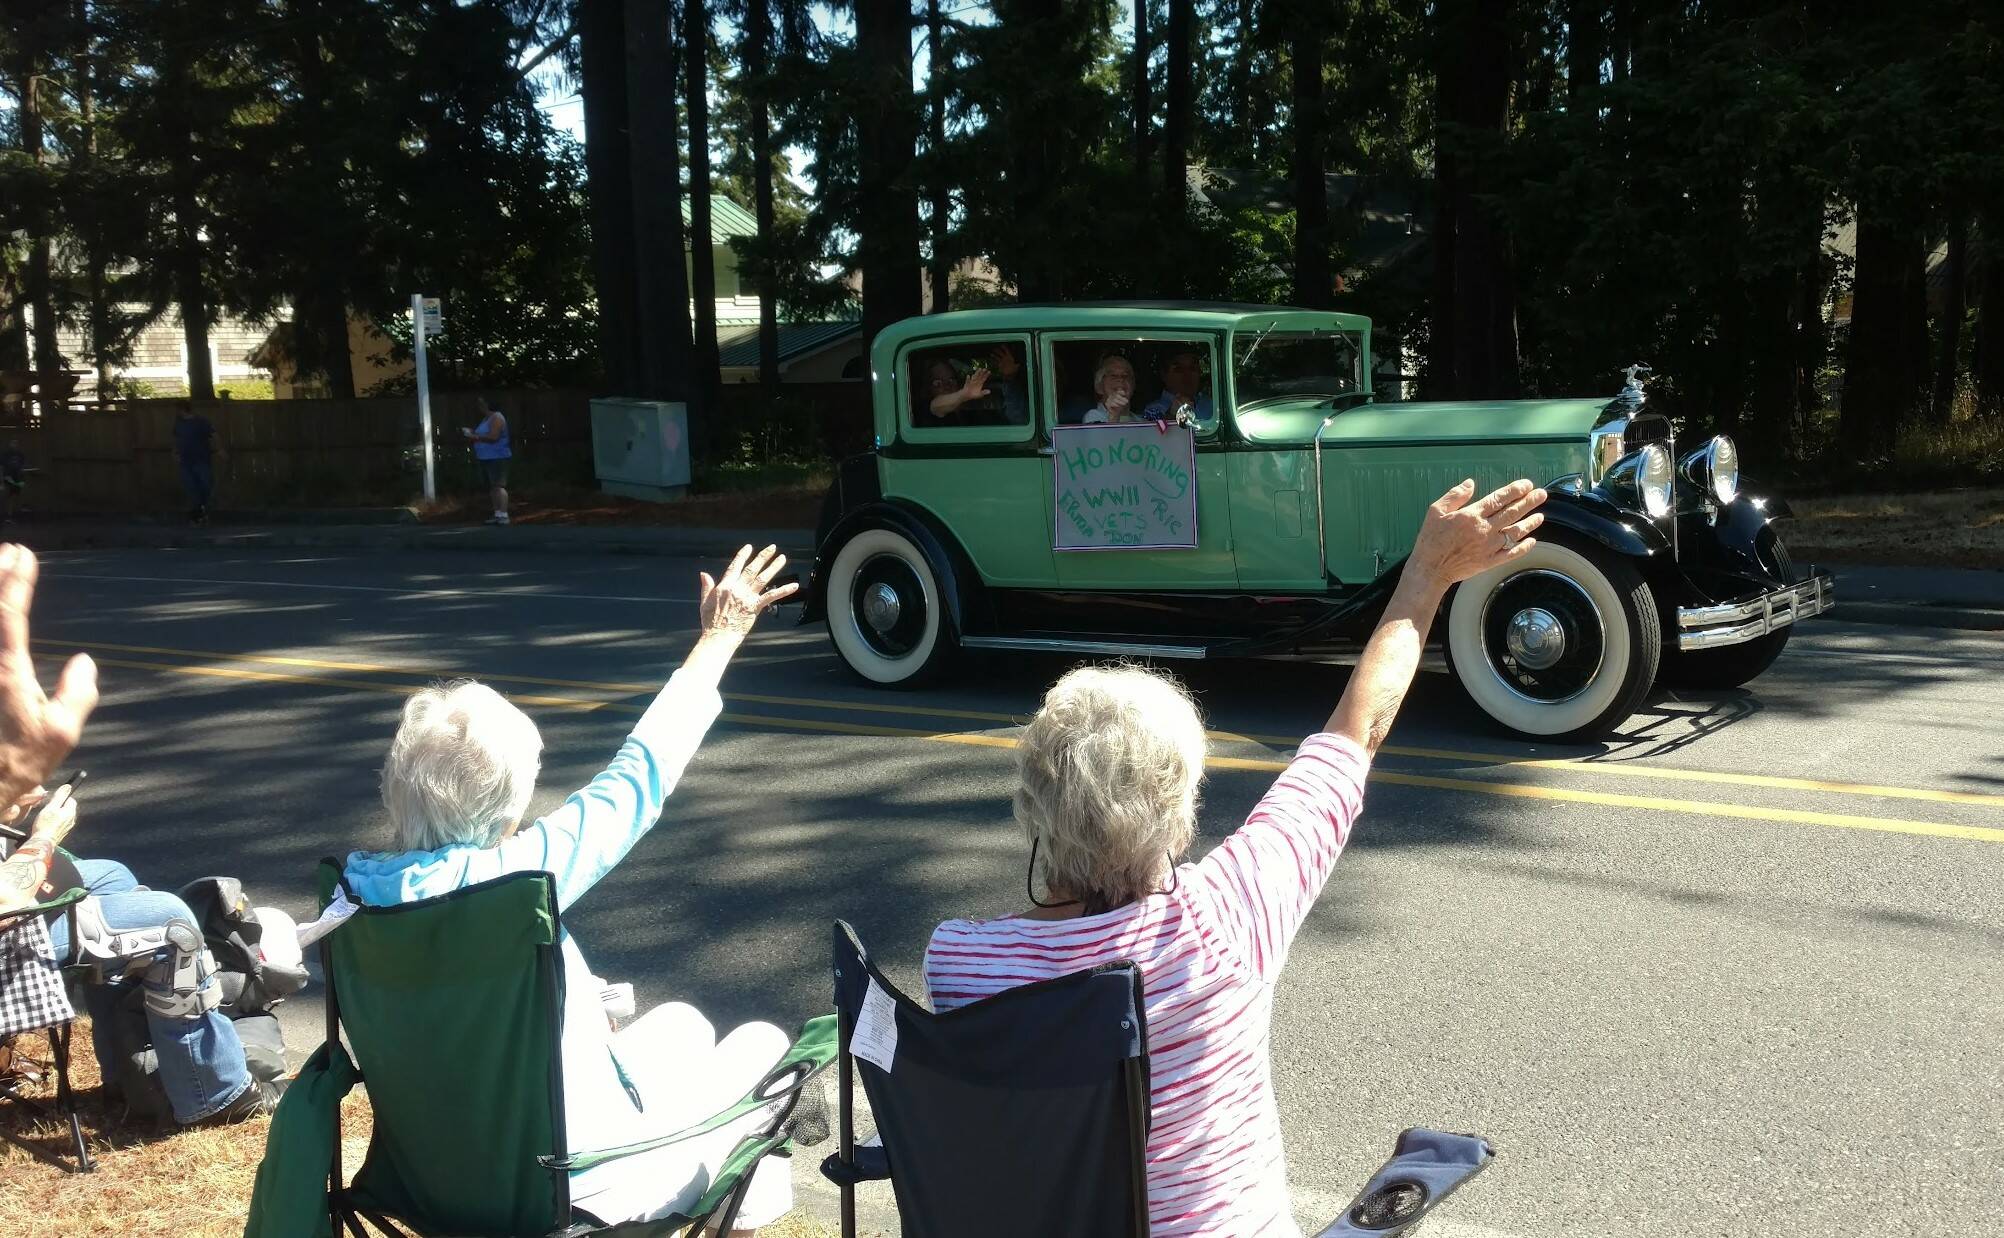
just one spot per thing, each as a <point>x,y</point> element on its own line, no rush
<point>1035,644</point>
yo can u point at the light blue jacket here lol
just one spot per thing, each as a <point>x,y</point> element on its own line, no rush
<point>578,844</point>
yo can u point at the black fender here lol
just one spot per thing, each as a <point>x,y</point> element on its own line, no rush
<point>1731,553</point>
<point>1593,516</point>
<point>960,584</point>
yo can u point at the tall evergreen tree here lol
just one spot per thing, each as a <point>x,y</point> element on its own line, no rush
<point>702,254</point>
<point>1314,281</point>
<point>887,138</point>
<point>609,185</point>
<point>660,282</point>
<point>1473,347</point>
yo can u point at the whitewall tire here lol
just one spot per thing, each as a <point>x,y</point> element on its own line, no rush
<point>1560,644</point>
<point>885,611</point>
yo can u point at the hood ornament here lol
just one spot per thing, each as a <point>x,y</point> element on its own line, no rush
<point>1632,393</point>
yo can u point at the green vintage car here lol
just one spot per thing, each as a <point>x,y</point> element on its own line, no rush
<point>1191,480</point>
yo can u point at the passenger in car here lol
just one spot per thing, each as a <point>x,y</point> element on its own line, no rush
<point>1183,387</point>
<point>1113,382</point>
<point>1008,403</point>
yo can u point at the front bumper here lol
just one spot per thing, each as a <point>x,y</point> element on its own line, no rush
<point>1710,627</point>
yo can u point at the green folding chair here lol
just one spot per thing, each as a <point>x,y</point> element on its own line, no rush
<point>453,1008</point>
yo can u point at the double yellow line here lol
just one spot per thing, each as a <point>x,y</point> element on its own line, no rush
<point>213,665</point>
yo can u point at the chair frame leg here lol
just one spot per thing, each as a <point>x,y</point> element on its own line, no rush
<point>846,1102</point>
<point>66,1100</point>
<point>65,1107</point>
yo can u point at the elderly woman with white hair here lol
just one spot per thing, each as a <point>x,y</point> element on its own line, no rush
<point>1107,799</point>
<point>457,782</point>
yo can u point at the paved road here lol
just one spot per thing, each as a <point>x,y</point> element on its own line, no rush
<point>1741,972</point>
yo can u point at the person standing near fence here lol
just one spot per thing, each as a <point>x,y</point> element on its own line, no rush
<point>491,448</point>
<point>195,449</point>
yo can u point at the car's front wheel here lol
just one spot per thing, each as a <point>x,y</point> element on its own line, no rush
<point>1560,644</point>
<point>885,612</point>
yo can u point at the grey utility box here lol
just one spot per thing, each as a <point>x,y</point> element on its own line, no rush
<point>640,448</point>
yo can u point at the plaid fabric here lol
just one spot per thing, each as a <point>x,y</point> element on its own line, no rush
<point>31,984</point>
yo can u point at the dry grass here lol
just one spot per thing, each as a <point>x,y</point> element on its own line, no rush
<point>1949,528</point>
<point>149,1181</point>
<point>154,1183</point>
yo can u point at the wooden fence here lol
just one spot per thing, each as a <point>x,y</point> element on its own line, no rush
<point>118,457</point>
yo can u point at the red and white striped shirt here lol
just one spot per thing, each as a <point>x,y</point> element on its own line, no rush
<point>1210,950</point>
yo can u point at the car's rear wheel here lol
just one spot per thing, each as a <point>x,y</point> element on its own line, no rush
<point>885,612</point>
<point>1560,644</point>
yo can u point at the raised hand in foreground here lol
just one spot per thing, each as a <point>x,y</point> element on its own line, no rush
<point>36,730</point>
<point>1460,539</point>
<point>1457,540</point>
<point>731,604</point>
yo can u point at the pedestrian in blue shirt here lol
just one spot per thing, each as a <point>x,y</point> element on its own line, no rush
<point>493,451</point>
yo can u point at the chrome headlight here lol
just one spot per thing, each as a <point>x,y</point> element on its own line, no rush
<point>1644,479</point>
<point>1715,469</point>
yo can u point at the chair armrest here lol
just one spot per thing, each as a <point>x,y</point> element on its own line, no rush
<point>1425,1168</point>
<point>810,1054</point>
<point>871,1164</point>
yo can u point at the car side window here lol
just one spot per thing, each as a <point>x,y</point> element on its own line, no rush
<point>1116,380</point>
<point>969,385</point>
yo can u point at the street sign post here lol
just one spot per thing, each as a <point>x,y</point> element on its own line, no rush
<point>427,318</point>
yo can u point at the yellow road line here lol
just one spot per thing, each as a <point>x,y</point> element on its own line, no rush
<point>1670,774</point>
<point>1499,759</point>
<point>1705,808</point>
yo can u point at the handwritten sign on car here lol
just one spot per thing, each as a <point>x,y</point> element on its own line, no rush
<point>1125,487</point>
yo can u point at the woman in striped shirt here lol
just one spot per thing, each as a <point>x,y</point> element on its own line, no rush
<point>1107,798</point>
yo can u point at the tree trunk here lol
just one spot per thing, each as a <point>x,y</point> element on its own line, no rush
<point>1144,102</point>
<point>758,55</point>
<point>1474,280</point>
<point>190,290</point>
<point>609,187</point>
<point>1955,295</point>
<point>1176,128</point>
<point>1987,364</point>
<point>332,326</point>
<point>96,260</point>
<point>1038,132</point>
<point>887,125</point>
<point>661,286</point>
<point>1240,73</point>
<point>939,272</point>
<point>1585,49</point>
<point>703,388</point>
<point>1885,374</point>
<point>1785,346</point>
<point>1314,283</point>
<point>39,289</point>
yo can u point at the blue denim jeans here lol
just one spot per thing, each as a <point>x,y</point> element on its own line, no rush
<point>199,477</point>
<point>201,1060</point>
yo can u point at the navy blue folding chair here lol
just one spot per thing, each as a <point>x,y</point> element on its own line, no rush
<point>1027,1113</point>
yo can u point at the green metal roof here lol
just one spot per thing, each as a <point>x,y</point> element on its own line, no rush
<point>737,344</point>
<point>727,219</point>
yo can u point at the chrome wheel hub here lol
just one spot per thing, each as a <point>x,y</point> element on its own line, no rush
<point>1535,638</point>
<point>881,607</point>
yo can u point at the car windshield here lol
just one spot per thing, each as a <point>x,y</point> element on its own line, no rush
<point>1295,365</point>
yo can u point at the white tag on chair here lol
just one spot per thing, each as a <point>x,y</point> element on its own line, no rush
<point>337,913</point>
<point>875,1036</point>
